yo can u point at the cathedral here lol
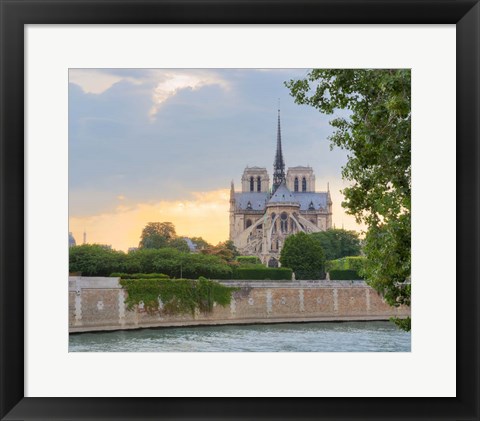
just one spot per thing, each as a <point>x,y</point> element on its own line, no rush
<point>262,216</point>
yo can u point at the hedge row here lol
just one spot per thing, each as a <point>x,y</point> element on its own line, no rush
<point>310,274</point>
<point>254,273</point>
<point>262,273</point>
<point>354,263</point>
<point>243,273</point>
<point>245,260</point>
<point>344,275</point>
<point>96,260</point>
<point>139,275</point>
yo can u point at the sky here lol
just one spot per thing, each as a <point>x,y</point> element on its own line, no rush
<point>163,145</point>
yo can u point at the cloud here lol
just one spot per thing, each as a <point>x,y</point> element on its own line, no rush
<point>165,83</point>
<point>93,81</point>
<point>193,217</point>
<point>173,82</point>
<point>210,125</point>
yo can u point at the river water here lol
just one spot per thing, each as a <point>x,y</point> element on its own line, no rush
<point>301,337</point>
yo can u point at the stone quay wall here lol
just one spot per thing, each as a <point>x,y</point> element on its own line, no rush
<point>98,304</point>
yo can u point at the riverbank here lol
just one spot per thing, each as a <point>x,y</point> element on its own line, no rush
<point>98,304</point>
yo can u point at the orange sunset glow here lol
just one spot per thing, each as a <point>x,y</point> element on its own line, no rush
<point>205,215</point>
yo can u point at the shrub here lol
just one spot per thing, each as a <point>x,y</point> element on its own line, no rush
<point>354,263</point>
<point>197,265</point>
<point>177,296</point>
<point>310,274</point>
<point>95,260</point>
<point>247,260</point>
<point>337,243</point>
<point>262,273</point>
<point>346,268</point>
<point>139,275</point>
<point>304,255</point>
<point>141,261</point>
<point>344,275</point>
<point>176,264</point>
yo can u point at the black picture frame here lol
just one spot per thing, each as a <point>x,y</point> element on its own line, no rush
<point>16,13</point>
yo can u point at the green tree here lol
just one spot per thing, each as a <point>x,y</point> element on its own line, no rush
<point>229,245</point>
<point>180,244</point>
<point>337,243</point>
<point>176,264</point>
<point>95,260</point>
<point>156,235</point>
<point>140,261</point>
<point>375,130</point>
<point>185,265</point>
<point>304,256</point>
<point>225,250</point>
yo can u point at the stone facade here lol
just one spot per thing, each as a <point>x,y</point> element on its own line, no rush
<point>262,216</point>
<point>97,304</point>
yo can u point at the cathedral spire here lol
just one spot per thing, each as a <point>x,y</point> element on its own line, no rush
<point>279,164</point>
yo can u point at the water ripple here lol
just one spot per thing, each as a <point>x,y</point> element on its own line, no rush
<point>307,337</point>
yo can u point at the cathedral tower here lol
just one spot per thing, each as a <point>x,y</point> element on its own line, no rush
<point>261,219</point>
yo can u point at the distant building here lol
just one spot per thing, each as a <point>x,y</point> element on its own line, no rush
<point>71,240</point>
<point>191,245</point>
<point>262,217</point>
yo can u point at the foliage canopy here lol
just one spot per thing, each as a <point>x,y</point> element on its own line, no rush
<point>156,235</point>
<point>225,250</point>
<point>375,128</point>
<point>94,260</point>
<point>177,264</point>
<point>338,243</point>
<point>304,256</point>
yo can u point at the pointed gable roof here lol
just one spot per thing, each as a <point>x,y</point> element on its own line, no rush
<point>282,195</point>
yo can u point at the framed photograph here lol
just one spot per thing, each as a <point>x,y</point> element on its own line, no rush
<point>191,156</point>
<point>59,59</point>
